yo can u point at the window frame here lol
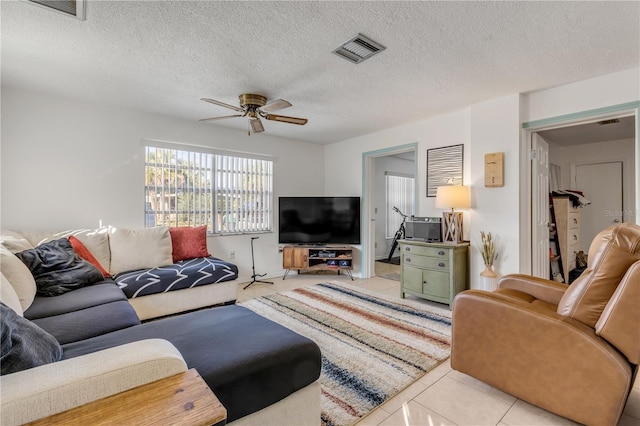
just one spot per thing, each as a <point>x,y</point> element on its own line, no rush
<point>216,190</point>
<point>407,210</point>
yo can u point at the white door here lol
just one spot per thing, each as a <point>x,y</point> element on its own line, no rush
<point>540,206</point>
<point>601,184</point>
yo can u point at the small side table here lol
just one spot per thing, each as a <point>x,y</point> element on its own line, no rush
<point>183,399</point>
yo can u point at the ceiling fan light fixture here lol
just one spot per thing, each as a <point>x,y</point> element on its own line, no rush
<point>285,119</point>
<point>358,49</point>
<point>254,107</point>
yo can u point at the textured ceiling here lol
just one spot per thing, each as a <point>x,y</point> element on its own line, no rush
<point>591,132</point>
<point>163,56</point>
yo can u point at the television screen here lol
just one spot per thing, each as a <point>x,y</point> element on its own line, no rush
<point>319,220</point>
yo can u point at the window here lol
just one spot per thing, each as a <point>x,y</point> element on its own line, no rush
<point>228,194</point>
<point>400,194</point>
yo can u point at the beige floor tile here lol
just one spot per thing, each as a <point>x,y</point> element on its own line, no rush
<point>525,414</point>
<point>403,397</point>
<point>436,374</point>
<point>627,420</point>
<point>374,418</point>
<point>462,403</point>
<point>481,386</point>
<point>633,403</point>
<point>414,414</point>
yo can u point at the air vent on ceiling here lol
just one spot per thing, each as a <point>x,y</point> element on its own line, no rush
<point>73,8</point>
<point>358,49</point>
<point>612,121</point>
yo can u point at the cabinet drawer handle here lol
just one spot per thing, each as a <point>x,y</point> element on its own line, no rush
<point>441,264</point>
<point>441,253</point>
<point>575,220</point>
<point>575,237</point>
<point>407,249</point>
<point>408,260</point>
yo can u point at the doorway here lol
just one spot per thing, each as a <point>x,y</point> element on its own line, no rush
<point>604,184</point>
<point>574,147</point>
<point>375,164</point>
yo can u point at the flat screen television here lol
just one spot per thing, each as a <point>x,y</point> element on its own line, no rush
<point>319,220</point>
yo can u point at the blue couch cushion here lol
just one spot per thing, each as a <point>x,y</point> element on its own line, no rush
<point>249,361</point>
<point>100,293</point>
<point>94,321</point>
<point>24,345</point>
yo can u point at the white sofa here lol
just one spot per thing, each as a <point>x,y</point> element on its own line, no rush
<point>48,389</point>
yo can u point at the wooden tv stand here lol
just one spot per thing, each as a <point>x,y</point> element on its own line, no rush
<point>316,258</point>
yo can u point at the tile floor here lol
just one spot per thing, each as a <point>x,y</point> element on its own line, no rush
<point>443,396</point>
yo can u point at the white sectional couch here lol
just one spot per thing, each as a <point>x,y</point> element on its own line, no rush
<point>109,362</point>
<point>120,250</point>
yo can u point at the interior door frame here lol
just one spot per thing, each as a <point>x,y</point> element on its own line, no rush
<point>531,127</point>
<point>368,251</point>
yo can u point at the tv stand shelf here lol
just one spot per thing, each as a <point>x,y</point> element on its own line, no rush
<point>317,258</point>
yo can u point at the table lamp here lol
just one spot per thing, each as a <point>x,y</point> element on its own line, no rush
<point>451,197</point>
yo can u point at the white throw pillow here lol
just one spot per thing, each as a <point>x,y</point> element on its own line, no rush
<point>15,241</point>
<point>18,276</point>
<point>133,249</point>
<point>9,297</point>
<point>95,240</point>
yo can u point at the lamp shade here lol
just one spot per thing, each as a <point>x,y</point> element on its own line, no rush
<point>450,197</point>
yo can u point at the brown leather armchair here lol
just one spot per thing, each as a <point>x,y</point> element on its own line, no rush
<point>572,350</point>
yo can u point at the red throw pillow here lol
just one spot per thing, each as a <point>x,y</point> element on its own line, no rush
<point>188,242</point>
<point>84,253</point>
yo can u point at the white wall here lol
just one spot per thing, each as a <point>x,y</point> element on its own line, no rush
<point>383,165</point>
<point>601,92</point>
<point>56,152</point>
<point>608,151</point>
<point>69,164</point>
<point>492,126</point>
<point>343,168</point>
<point>611,89</point>
<point>495,127</point>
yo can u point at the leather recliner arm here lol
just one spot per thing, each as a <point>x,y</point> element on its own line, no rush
<point>620,320</point>
<point>545,290</point>
<point>539,356</point>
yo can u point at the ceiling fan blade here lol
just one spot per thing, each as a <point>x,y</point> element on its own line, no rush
<point>256,125</point>
<point>222,104</point>
<point>285,119</point>
<point>221,117</point>
<point>276,105</point>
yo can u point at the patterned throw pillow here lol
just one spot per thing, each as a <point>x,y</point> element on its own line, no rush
<point>188,242</point>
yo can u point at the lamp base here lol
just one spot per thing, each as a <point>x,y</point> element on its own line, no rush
<point>452,227</point>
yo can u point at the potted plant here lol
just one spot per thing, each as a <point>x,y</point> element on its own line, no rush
<point>489,255</point>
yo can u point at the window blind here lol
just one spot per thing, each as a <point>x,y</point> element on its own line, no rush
<point>400,193</point>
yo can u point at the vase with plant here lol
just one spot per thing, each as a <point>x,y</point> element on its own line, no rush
<point>489,255</point>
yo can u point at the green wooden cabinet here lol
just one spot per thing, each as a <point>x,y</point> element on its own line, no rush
<point>434,271</point>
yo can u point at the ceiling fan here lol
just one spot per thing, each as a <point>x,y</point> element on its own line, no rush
<point>256,107</point>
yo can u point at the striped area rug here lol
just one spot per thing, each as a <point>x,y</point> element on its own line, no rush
<point>372,347</point>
